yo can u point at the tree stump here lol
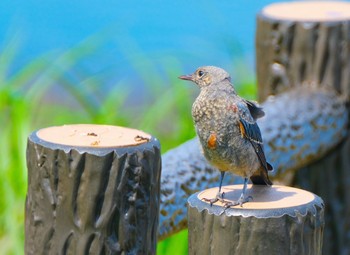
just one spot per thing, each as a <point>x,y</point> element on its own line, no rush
<point>92,189</point>
<point>303,42</point>
<point>308,44</point>
<point>279,220</point>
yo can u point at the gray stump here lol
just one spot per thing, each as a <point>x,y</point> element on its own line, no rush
<point>303,42</point>
<point>279,220</point>
<point>92,189</point>
<point>307,44</point>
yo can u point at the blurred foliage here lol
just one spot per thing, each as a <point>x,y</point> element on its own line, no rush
<point>58,88</point>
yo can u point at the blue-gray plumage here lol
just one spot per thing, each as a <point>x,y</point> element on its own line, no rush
<point>226,126</point>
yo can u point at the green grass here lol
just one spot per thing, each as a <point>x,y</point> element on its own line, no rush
<point>28,101</point>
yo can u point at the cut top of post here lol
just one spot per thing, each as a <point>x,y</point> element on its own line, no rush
<point>274,201</point>
<point>90,135</point>
<point>309,11</point>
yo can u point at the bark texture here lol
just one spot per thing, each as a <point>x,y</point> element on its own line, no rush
<point>305,66</point>
<point>290,54</point>
<point>290,231</point>
<point>330,178</point>
<point>86,200</point>
<point>300,127</point>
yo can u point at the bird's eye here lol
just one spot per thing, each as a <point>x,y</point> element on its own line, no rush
<point>200,73</point>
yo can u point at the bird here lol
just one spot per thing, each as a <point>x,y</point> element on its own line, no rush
<point>229,135</point>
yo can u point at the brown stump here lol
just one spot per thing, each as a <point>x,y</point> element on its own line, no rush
<point>303,44</point>
<point>92,189</point>
<point>279,220</point>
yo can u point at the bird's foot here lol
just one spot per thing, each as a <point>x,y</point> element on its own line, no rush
<point>219,197</point>
<point>240,201</point>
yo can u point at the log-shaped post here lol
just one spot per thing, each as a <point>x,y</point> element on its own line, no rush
<point>303,60</point>
<point>92,189</point>
<point>303,44</point>
<point>313,123</point>
<point>279,220</point>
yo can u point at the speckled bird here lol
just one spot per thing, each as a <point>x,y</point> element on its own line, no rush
<point>226,126</point>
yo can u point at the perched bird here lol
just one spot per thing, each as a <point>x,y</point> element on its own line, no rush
<point>226,126</point>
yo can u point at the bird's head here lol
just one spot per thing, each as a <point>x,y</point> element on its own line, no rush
<point>207,75</point>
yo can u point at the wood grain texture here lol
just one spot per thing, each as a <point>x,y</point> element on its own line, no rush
<point>296,53</point>
<point>300,127</point>
<point>290,53</point>
<point>290,230</point>
<point>85,200</point>
<point>330,178</point>
<point>305,66</point>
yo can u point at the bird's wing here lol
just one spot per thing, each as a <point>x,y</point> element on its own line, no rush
<point>254,109</point>
<point>248,127</point>
<point>251,131</point>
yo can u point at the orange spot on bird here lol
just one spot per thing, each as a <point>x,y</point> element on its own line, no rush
<point>241,128</point>
<point>212,141</point>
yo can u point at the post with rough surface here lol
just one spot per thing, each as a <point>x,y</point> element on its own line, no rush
<point>279,220</point>
<point>307,44</point>
<point>301,43</point>
<point>92,189</point>
<point>306,124</point>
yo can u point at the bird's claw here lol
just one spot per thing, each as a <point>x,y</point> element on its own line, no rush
<point>219,197</point>
<point>239,202</point>
<point>227,204</point>
<point>211,200</point>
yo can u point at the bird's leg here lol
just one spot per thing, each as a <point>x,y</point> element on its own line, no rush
<point>242,199</point>
<point>219,196</point>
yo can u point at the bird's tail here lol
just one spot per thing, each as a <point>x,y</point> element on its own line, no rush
<point>261,177</point>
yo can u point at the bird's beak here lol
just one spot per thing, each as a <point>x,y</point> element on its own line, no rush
<point>186,77</point>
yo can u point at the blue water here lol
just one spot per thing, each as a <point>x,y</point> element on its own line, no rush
<point>196,32</point>
<point>193,33</point>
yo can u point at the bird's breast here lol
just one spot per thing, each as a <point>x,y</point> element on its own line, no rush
<point>216,110</point>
